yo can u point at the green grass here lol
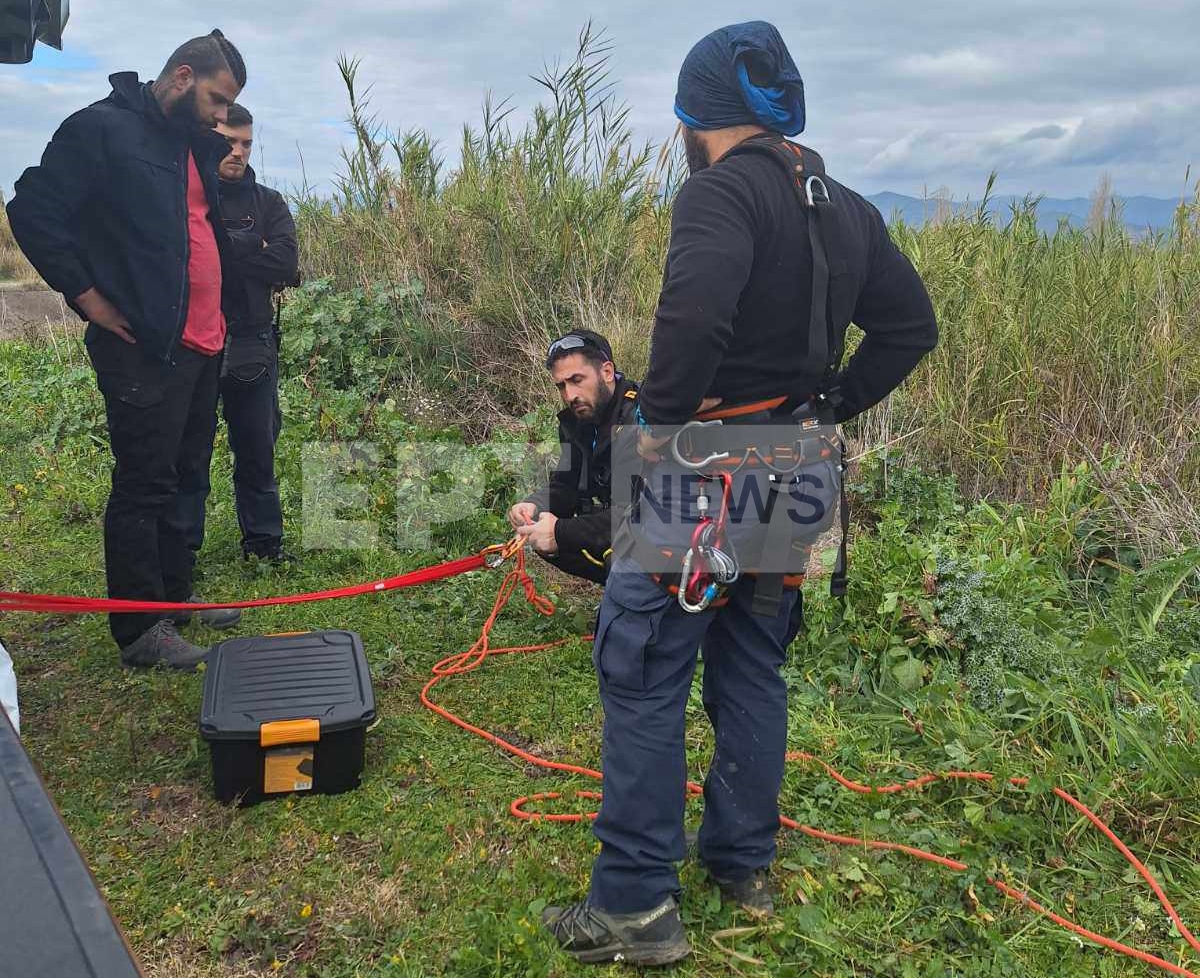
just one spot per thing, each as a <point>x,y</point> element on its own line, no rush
<point>1041,650</point>
<point>1054,638</point>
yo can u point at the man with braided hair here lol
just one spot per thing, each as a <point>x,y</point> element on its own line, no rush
<point>122,217</point>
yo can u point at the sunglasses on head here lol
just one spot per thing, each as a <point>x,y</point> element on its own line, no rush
<point>571,342</point>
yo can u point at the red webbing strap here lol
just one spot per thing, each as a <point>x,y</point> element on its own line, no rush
<point>65,605</point>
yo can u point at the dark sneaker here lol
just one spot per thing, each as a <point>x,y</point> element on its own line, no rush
<point>753,894</point>
<point>162,645</point>
<point>588,934</point>
<point>273,555</point>
<point>212,617</point>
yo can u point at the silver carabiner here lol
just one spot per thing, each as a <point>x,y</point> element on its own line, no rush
<point>706,598</point>
<point>687,463</point>
<point>810,197</point>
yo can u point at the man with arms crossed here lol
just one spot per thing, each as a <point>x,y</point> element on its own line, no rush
<point>264,259</point>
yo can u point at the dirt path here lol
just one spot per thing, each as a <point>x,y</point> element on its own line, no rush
<point>25,312</point>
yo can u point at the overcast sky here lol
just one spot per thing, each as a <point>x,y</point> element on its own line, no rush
<point>1051,93</point>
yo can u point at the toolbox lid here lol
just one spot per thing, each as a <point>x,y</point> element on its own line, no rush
<point>263,679</point>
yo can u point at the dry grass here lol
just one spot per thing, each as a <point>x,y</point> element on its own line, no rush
<point>15,271</point>
<point>1078,347</point>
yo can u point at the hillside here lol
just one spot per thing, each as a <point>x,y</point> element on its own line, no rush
<point>1140,213</point>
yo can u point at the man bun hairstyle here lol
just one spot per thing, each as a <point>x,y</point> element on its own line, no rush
<point>207,56</point>
<point>239,116</point>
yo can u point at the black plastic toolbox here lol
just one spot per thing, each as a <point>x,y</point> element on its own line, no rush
<point>54,922</point>
<point>287,713</point>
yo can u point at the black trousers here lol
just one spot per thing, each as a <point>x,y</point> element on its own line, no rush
<point>161,422</point>
<point>249,389</point>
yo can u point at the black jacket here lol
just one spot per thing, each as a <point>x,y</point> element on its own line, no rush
<point>580,489</point>
<point>107,209</point>
<point>253,214</point>
<point>734,314</point>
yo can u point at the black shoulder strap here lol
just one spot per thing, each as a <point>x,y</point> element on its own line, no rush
<point>799,161</point>
<point>805,169</point>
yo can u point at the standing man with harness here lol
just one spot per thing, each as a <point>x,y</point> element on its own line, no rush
<point>769,262</point>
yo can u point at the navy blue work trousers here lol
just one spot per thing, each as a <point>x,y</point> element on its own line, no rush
<point>645,654</point>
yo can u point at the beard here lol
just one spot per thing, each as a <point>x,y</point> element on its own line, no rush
<point>697,155</point>
<point>590,411</point>
<point>184,114</point>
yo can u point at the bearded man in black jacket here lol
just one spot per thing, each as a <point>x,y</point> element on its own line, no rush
<point>264,260</point>
<point>119,217</point>
<point>568,522</point>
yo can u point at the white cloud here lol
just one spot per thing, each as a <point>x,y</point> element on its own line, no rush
<point>899,96</point>
<point>954,67</point>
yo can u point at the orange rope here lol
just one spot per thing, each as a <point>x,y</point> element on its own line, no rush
<point>475,657</point>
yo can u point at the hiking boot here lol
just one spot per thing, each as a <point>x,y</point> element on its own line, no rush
<point>752,894</point>
<point>590,935</point>
<point>162,645</point>
<point>212,617</point>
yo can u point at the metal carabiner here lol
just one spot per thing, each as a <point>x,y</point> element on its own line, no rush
<point>706,598</point>
<point>687,463</point>
<point>810,198</point>
<point>498,553</point>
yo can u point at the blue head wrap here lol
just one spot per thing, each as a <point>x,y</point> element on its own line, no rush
<point>741,75</point>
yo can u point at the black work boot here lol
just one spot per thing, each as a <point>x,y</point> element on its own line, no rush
<point>752,894</point>
<point>593,936</point>
<point>212,617</point>
<point>162,645</point>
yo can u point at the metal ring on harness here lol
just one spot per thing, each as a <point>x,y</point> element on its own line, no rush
<point>687,463</point>
<point>810,197</point>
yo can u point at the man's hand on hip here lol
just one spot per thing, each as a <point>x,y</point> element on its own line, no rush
<point>540,535</point>
<point>104,314</point>
<point>648,445</point>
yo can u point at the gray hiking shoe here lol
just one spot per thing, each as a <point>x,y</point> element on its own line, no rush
<point>213,617</point>
<point>752,894</point>
<point>590,935</point>
<point>162,645</point>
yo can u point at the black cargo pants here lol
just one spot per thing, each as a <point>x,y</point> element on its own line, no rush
<point>161,422</point>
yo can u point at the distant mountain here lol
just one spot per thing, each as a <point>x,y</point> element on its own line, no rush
<point>1140,214</point>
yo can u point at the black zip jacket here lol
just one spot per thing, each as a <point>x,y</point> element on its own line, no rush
<point>580,489</point>
<point>107,209</point>
<point>734,313</point>
<point>254,214</point>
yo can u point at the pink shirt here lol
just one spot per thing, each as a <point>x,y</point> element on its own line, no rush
<point>204,328</point>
